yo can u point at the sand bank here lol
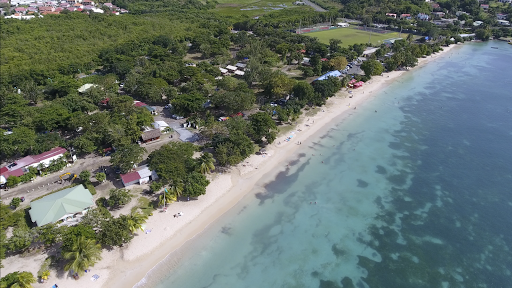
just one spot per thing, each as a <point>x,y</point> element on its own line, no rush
<point>126,266</point>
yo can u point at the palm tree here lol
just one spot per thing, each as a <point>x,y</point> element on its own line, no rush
<point>83,254</point>
<point>206,163</point>
<point>176,189</point>
<point>24,280</point>
<point>166,198</point>
<point>135,221</point>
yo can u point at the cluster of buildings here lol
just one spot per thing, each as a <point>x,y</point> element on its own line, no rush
<point>21,166</point>
<point>440,15</point>
<point>25,9</point>
<point>237,70</point>
<point>68,206</point>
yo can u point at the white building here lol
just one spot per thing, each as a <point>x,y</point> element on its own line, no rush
<point>504,22</point>
<point>160,125</point>
<point>343,25</point>
<point>20,17</point>
<point>231,68</point>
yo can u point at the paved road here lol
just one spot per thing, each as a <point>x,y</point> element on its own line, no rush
<point>92,163</point>
<point>314,6</point>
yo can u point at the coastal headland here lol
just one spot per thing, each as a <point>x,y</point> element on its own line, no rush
<point>127,266</point>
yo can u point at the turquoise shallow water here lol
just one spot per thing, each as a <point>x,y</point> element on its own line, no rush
<point>418,194</point>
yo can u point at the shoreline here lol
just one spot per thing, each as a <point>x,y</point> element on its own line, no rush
<point>127,266</point>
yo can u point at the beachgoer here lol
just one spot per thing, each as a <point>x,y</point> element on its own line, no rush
<point>315,202</point>
<point>375,111</point>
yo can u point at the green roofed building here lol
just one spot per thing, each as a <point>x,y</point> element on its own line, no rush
<point>68,205</point>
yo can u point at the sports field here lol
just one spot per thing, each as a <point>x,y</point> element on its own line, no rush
<point>352,35</point>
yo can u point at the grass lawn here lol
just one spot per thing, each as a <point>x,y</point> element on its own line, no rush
<point>350,36</point>
<point>255,7</point>
<point>145,206</point>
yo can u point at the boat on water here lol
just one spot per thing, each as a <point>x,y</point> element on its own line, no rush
<point>494,47</point>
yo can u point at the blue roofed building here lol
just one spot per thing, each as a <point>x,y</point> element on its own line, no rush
<point>334,73</point>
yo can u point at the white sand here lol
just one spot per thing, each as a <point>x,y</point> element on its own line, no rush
<point>124,267</point>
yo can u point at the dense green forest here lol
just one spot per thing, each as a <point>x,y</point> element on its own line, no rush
<point>45,60</point>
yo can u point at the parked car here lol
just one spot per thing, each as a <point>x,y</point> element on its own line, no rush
<point>272,104</point>
<point>237,114</point>
<point>167,106</point>
<point>282,102</point>
<point>223,118</point>
<point>177,117</point>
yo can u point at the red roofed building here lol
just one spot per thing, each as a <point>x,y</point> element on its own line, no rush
<point>130,178</point>
<point>139,104</point>
<point>20,166</point>
<point>20,9</point>
<point>46,157</point>
<point>142,176</point>
<point>104,101</point>
<point>46,9</point>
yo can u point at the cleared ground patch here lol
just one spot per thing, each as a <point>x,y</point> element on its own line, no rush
<point>352,35</point>
<point>252,7</point>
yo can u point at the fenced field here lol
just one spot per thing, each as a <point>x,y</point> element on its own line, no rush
<point>352,35</point>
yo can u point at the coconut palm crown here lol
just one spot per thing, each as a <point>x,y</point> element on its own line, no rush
<point>83,254</point>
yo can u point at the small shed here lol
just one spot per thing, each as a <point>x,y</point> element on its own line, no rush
<point>130,178</point>
<point>223,71</point>
<point>239,73</point>
<point>231,68</point>
<point>160,125</point>
<point>151,135</point>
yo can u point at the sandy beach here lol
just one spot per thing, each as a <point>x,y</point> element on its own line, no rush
<point>126,266</point>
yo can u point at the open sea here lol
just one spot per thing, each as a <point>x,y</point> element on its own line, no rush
<point>417,194</point>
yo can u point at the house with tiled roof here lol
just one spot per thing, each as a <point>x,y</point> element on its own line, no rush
<point>46,9</point>
<point>484,6</point>
<point>21,10</point>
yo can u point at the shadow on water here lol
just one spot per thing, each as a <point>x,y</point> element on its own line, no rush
<point>282,182</point>
<point>362,183</point>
